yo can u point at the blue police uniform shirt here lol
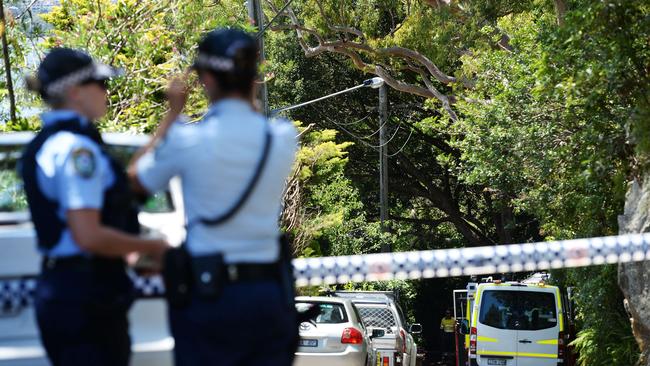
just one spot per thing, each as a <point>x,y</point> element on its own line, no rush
<point>72,171</point>
<point>215,159</point>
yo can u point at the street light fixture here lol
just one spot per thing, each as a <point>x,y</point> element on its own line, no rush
<point>373,83</point>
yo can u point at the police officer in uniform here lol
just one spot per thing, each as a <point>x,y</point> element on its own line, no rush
<point>233,165</point>
<point>84,216</point>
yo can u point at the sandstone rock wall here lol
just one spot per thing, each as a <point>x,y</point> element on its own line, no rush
<point>634,278</point>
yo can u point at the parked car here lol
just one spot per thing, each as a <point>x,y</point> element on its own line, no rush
<point>380,310</point>
<point>335,336</point>
<point>162,216</point>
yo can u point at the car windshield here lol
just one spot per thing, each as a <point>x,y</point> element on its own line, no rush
<point>330,313</point>
<point>12,195</point>
<point>518,310</point>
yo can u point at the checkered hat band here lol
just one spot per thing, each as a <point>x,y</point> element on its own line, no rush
<point>214,62</point>
<point>59,86</point>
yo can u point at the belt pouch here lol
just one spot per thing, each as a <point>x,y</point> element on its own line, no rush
<point>177,276</point>
<point>209,275</point>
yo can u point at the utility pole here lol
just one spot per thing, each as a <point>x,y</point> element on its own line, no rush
<point>257,17</point>
<point>383,162</point>
<point>5,54</point>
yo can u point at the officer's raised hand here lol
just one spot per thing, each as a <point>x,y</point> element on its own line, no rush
<point>177,94</point>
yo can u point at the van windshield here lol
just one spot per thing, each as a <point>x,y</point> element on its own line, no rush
<point>518,310</point>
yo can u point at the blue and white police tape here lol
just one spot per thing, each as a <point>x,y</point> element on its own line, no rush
<point>472,261</point>
<point>16,293</point>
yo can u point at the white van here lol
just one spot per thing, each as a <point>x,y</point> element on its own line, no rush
<point>516,324</point>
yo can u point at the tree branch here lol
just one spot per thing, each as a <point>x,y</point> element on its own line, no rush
<point>441,97</point>
<point>560,11</point>
<point>349,49</point>
<point>414,55</point>
<point>400,85</point>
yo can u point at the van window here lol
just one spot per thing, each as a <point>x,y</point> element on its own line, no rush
<point>518,310</point>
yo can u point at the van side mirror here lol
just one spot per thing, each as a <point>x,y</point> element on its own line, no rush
<point>463,326</point>
<point>377,333</point>
<point>415,328</point>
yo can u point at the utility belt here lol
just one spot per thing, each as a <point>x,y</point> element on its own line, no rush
<point>82,263</point>
<point>206,276</point>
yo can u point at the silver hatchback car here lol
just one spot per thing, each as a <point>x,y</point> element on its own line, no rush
<point>334,337</point>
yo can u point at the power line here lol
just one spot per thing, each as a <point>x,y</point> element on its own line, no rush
<point>261,32</point>
<point>403,146</point>
<point>361,139</point>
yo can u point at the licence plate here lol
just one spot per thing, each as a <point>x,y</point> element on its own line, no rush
<point>308,343</point>
<point>492,361</point>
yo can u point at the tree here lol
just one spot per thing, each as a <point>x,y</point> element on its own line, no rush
<point>543,154</point>
<point>7,62</point>
<point>151,41</point>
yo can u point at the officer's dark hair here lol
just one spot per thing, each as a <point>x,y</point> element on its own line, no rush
<point>232,45</point>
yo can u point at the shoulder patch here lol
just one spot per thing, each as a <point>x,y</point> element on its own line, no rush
<point>84,162</point>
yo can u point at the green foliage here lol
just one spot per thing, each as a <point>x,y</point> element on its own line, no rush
<point>543,136</point>
<point>150,40</point>
<point>553,138</point>
<point>605,337</point>
<point>330,218</point>
<point>556,153</point>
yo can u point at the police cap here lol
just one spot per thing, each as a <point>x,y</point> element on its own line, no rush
<point>227,50</point>
<point>65,67</point>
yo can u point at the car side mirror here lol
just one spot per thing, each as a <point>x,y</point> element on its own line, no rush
<point>463,326</point>
<point>377,333</point>
<point>415,328</point>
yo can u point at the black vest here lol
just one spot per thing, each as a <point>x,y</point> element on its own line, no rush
<point>119,209</point>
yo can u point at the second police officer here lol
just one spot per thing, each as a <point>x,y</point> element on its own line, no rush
<point>84,216</point>
<point>233,165</point>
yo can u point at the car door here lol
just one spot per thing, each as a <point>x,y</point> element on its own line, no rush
<point>496,327</point>
<point>539,330</point>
